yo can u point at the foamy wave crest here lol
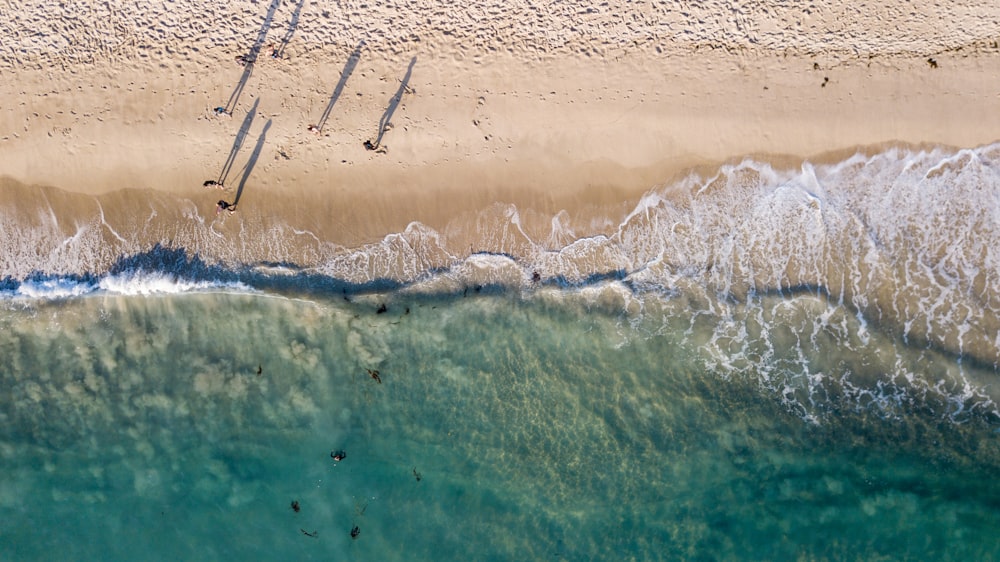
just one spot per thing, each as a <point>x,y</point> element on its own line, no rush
<point>134,283</point>
<point>152,283</point>
<point>50,288</point>
<point>401,258</point>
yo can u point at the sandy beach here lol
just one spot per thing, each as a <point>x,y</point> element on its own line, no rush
<point>554,107</point>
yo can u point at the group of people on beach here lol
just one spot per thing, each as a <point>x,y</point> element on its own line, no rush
<point>222,205</point>
<point>242,60</point>
<point>248,60</point>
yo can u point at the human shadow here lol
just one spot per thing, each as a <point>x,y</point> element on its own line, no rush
<point>250,59</point>
<point>251,56</point>
<point>252,161</point>
<point>279,51</point>
<point>393,104</point>
<point>234,97</point>
<point>352,62</point>
<point>238,142</point>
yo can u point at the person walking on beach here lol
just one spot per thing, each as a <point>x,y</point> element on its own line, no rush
<point>224,206</point>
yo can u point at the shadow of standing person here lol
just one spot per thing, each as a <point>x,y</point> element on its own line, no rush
<point>352,62</point>
<point>394,101</point>
<point>238,143</point>
<point>279,51</point>
<point>250,59</point>
<point>254,156</point>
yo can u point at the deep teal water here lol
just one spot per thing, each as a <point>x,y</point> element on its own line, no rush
<point>532,426</point>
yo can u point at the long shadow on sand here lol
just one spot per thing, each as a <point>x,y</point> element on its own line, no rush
<point>250,58</point>
<point>279,51</point>
<point>352,62</point>
<point>234,98</point>
<point>238,142</point>
<point>394,101</point>
<point>252,161</point>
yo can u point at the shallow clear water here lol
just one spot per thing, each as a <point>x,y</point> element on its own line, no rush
<point>548,425</point>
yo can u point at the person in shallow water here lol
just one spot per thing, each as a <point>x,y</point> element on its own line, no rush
<point>338,455</point>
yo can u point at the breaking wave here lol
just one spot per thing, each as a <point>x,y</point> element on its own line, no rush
<point>892,259</point>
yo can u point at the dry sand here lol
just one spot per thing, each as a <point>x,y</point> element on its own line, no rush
<point>548,105</point>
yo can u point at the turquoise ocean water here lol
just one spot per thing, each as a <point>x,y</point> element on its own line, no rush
<point>758,365</point>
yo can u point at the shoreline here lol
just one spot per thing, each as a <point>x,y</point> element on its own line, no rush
<point>575,114</point>
<point>415,224</point>
<point>456,149</point>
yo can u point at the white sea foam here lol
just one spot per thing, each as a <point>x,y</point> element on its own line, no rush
<point>907,239</point>
<point>54,288</point>
<point>135,283</point>
<point>151,283</point>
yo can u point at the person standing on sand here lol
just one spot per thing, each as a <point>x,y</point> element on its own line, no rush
<point>224,206</point>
